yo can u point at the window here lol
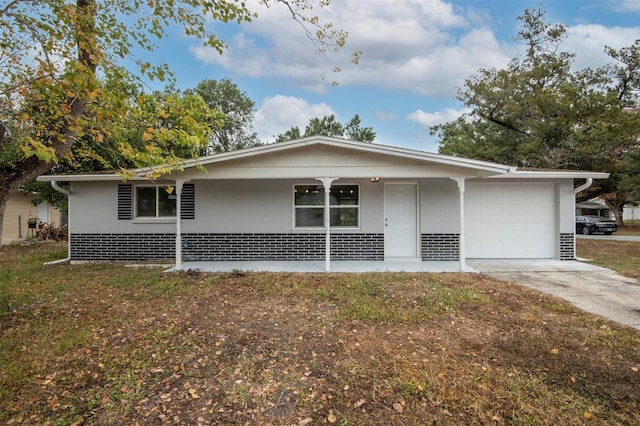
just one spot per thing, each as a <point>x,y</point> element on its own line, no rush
<point>155,201</point>
<point>344,206</point>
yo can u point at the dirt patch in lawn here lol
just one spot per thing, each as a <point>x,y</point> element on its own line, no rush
<point>105,344</point>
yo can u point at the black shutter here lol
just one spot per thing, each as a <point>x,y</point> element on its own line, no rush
<point>125,197</point>
<point>188,201</point>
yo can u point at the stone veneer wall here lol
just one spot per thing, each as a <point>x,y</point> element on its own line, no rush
<point>440,247</point>
<point>567,248</point>
<point>227,247</point>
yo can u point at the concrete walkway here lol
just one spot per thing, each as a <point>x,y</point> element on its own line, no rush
<point>596,290</point>
<point>409,265</point>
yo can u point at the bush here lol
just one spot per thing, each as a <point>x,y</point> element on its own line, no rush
<point>50,232</point>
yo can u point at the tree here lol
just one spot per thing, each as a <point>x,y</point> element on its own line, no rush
<point>237,131</point>
<point>56,54</point>
<point>539,113</point>
<point>330,126</point>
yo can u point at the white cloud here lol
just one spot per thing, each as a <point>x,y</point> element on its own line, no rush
<point>428,47</point>
<point>279,113</point>
<point>385,116</point>
<point>627,5</point>
<point>424,46</point>
<point>589,41</point>
<point>428,119</point>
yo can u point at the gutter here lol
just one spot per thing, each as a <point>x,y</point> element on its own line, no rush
<point>580,188</point>
<point>54,185</point>
<point>58,188</point>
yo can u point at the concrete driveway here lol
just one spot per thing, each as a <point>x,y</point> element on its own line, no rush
<point>596,290</point>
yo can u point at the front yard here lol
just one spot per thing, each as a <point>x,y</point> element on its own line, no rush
<point>107,344</point>
<point>621,256</point>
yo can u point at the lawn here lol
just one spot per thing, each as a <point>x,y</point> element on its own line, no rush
<point>106,344</point>
<point>632,227</point>
<point>621,256</point>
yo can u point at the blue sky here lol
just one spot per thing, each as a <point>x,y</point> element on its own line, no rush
<point>415,54</point>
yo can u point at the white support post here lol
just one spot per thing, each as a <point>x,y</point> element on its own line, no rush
<point>462,256</point>
<point>178,192</point>
<point>326,182</point>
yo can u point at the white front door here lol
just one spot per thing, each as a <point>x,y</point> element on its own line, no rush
<point>400,221</point>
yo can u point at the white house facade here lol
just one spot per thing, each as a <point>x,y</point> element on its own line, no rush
<point>321,198</point>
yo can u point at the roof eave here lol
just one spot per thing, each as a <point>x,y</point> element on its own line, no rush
<point>83,178</point>
<point>551,174</point>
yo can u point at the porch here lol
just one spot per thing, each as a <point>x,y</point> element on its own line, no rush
<point>319,266</point>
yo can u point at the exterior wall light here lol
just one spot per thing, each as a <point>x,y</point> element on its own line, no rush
<point>375,179</point>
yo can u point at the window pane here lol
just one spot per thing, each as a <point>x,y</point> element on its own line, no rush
<point>166,203</point>
<point>146,201</point>
<point>344,195</point>
<point>309,217</point>
<point>309,195</point>
<point>344,216</point>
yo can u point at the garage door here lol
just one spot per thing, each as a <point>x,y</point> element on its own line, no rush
<point>509,220</point>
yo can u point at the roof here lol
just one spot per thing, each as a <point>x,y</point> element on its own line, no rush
<point>358,151</point>
<point>552,174</point>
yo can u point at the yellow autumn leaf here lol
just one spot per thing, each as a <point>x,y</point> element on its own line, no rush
<point>193,393</point>
<point>147,136</point>
<point>93,94</point>
<point>587,415</point>
<point>331,418</point>
<point>554,351</point>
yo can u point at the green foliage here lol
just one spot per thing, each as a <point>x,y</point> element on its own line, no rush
<point>44,192</point>
<point>540,113</point>
<point>236,132</point>
<point>330,126</point>
<point>61,59</point>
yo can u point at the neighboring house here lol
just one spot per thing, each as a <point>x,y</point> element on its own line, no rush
<point>595,207</point>
<point>273,202</point>
<point>19,209</point>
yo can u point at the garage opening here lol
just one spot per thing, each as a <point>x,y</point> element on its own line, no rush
<point>510,221</point>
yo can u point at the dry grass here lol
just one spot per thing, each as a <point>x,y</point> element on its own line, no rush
<point>621,256</point>
<point>105,344</point>
<point>632,227</point>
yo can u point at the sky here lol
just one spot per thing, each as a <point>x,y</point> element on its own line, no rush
<point>416,54</point>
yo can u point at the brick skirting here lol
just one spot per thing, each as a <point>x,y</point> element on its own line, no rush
<point>227,247</point>
<point>440,247</point>
<point>122,246</point>
<point>567,249</point>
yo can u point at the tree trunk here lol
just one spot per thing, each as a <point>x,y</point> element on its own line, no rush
<point>4,198</point>
<point>12,176</point>
<point>616,205</point>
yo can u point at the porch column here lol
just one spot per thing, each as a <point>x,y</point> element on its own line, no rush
<point>326,182</point>
<point>178,192</point>
<point>460,181</point>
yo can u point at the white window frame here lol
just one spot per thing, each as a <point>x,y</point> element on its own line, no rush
<point>321,190</point>
<point>156,217</point>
